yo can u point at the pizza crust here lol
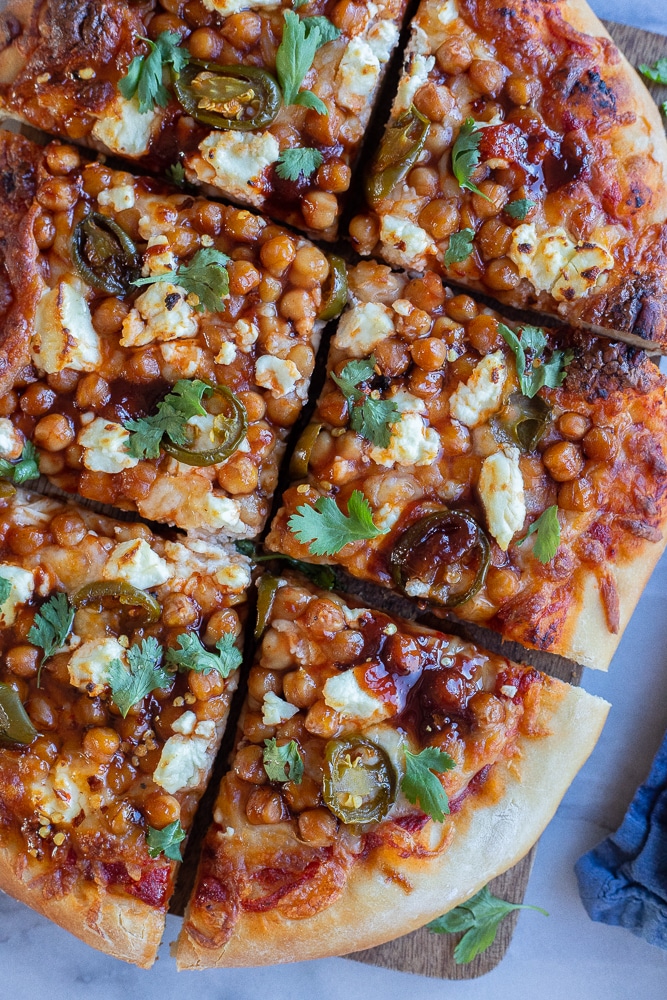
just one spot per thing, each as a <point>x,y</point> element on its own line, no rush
<point>374,909</point>
<point>119,926</point>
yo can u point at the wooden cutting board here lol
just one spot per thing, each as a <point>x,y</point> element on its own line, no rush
<point>433,954</point>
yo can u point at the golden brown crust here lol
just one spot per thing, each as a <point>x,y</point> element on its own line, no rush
<point>120,926</point>
<point>387,896</point>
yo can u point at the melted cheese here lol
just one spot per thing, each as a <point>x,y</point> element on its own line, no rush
<point>236,161</point>
<point>410,240</point>
<point>161,313</point>
<point>89,665</point>
<point>474,401</point>
<point>22,584</point>
<point>501,491</point>
<point>136,563</point>
<point>185,759</point>
<point>64,335</point>
<point>554,263</point>
<point>104,446</point>
<point>125,130</point>
<point>275,710</point>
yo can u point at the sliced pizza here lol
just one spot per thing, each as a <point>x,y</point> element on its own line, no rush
<point>266,103</point>
<point>382,775</point>
<point>119,660</point>
<point>158,346</point>
<point>524,158</point>
<point>512,475</point>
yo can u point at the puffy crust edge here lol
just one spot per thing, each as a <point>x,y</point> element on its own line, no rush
<point>122,927</point>
<point>373,909</point>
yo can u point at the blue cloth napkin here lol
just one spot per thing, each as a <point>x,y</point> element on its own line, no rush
<point>623,881</point>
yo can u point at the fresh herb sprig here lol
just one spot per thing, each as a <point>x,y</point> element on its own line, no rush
<point>519,208</point>
<point>143,674</point>
<point>297,162</point>
<point>420,783</point>
<point>479,917</point>
<point>173,413</point>
<point>26,468</point>
<point>466,155</point>
<point>51,626</point>
<point>283,763</point>
<point>144,74</point>
<point>532,366</point>
<point>205,277</point>
<point>322,576</point>
<point>459,247</point>
<point>547,534</point>
<point>302,37</point>
<point>327,529</point>
<point>166,841</point>
<point>369,417</point>
<point>193,655</point>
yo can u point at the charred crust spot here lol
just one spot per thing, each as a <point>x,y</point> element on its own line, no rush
<point>601,367</point>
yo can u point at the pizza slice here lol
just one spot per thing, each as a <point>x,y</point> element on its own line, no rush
<point>119,660</point>
<point>524,158</point>
<point>382,775</point>
<point>511,475</point>
<point>158,347</point>
<point>265,103</point>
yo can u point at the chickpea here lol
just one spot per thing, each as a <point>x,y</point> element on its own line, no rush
<point>100,486</point>
<point>493,238</point>
<point>600,444</point>
<point>495,197</point>
<point>120,776</point>
<point>364,232</point>
<point>440,218</point>
<point>416,324</point>
<point>277,254</point>
<point>454,56</point>
<point>205,43</point>
<point>167,22</point>
<point>243,277</point>
<point>461,308</point>
<point>346,647</point>
<point>54,432</point>
<point>101,744</point>
<point>429,354</point>
<point>37,399</point>
<point>455,438</point>
<point>323,618</point>
<point>249,765</point>
<point>220,623</point>
<point>136,482</point>
<point>501,274</point>
<point>161,809</point>
<point>265,805</point>
<point>322,720</point>
<point>57,194</point>
<point>310,268</point>
<point>243,225</point>
<point>320,209</point>
<point>305,795</point>
<point>44,231</point>
<point>206,687</point>
<point>325,129</point>
<point>563,460</point>
<point>427,292</point>
<point>242,30</point>
<point>42,712</point>
<point>434,101</point>
<point>299,688</point>
<point>254,728</point>
<point>349,17</point>
<point>209,217</point>
<point>501,584</point>
<point>25,540</point>
<point>90,711</point>
<point>318,827</point>
<point>23,661</point>
<point>261,681</point>
<point>573,426</point>
<point>297,305</point>
<point>486,709</point>
<point>393,359</point>
<point>334,176</point>
<point>238,475</point>
<point>425,181</point>
<point>487,76</point>
<point>289,603</point>
<point>483,334</point>
<point>577,494</point>
<point>283,411</point>
<point>179,611</point>
<point>8,404</point>
<point>92,392</point>
<point>519,89</point>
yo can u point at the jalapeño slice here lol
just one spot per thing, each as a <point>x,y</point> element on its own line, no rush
<point>243,98</point>
<point>398,152</point>
<point>359,780</point>
<point>15,724</point>
<point>228,430</point>
<point>335,292</point>
<point>522,421</point>
<point>300,460</point>
<point>104,255</point>
<point>124,593</point>
<point>442,557</point>
<point>267,588</point>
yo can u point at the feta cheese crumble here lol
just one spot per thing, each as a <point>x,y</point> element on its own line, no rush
<point>501,491</point>
<point>363,327</point>
<point>474,401</point>
<point>104,446</point>
<point>64,334</point>
<point>412,442</point>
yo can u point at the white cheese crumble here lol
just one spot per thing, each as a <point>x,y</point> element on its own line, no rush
<point>89,665</point>
<point>136,563</point>
<point>185,358</point>
<point>448,12</point>
<point>160,313</point>
<point>421,65</point>
<point>198,555</point>
<point>104,446</point>
<point>473,402</point>
<point>188,500</point>
<point>11,440</point>
<point>410,240</point>
<point>357,75</point>
<point>119,198</point>
<point>501,491</point>
<point>64,335</point>
<point>227,7</point>
<point>226,354</point>
<point>363,327</point>
<point>412,441</point>
<point>185,759</point>
<point>245,334</point>
<point>382,38</point>
<point>275,710</point>
<point>125,130</point>
<point>554,263</point>
<point>22,588</point>
<point>185,724</point>
<point>158,263</point>
<point>59,797</point>
<point>278,376</point>
<point>508,690</point>
<point>344,694</point>
<point>235,162</point>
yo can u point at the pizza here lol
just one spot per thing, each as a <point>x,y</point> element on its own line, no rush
<point>383,773</point>
<point>158,347</point>
<point>261,102</point>
<point>525,159</point>
<point>118,665</point>
<point>514,476</point>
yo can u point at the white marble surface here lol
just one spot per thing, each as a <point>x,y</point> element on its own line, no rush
<point>565,955</point>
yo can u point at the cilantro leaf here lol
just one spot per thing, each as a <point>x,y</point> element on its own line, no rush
<point>368,416</point>
<point>466,155</point>
<point>547,541</point>
<point>5,589</point>
<point>276,759</point>
<point>657,73</point>
<point>302,37</point>
<point>479,918</point>
<point>322,576</point>
<point>143,674</point>
<point>26,467</point>
<point>532,367</point>
<point>328,31</point>
<point>144,74</point>
<point>421,786</point>
<point>205,276</point>
<point>459,247</point>
<point>51,626</point>
<point>193,655</point>
<point>173,412</point>
<point>329,530</point>
<point>166,841</point>
<point>519,208</point>
<point>292,163</point>
<point>176,174</point>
